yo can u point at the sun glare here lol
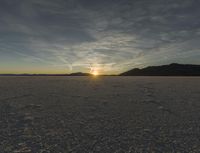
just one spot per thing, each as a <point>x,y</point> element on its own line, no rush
<point>95,73</point>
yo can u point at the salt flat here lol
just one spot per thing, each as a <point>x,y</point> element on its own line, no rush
<point>99,114</point>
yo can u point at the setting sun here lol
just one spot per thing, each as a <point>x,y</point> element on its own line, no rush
<point>95,73</point>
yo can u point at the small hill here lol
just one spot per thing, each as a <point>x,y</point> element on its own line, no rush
<point>173,69</point>
<point>79,74</point>
<point>71,74</point>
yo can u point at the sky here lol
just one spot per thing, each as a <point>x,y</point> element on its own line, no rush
<point>108,36</point>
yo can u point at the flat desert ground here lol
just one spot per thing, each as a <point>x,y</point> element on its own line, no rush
<point>99,114</point>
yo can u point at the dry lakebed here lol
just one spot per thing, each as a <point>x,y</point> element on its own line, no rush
<point>99,114</point>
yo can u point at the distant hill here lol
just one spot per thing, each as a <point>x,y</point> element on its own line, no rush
<point>173,69</point>
<point>71,74</point>
<point>79,74</point>
<point>33,74</point>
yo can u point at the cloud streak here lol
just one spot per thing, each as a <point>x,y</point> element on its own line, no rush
<point>110,35</point>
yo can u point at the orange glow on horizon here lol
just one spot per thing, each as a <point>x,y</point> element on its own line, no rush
<point>95,73</point>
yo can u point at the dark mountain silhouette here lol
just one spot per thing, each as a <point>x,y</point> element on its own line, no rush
<point>33,74</point>
<point>173,69</point>
<point>71,74</point>
<point>79,74</point>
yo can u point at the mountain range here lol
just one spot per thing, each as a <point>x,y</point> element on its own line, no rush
<point>173,69</point>
<point>71,74</point>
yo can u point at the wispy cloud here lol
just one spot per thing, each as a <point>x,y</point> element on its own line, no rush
<point>109,35</point>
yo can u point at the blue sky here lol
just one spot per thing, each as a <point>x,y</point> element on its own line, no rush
<point>110,36</point>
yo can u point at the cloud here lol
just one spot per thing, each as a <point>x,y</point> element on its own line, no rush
<point>111,35</point>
